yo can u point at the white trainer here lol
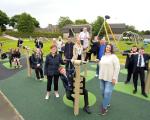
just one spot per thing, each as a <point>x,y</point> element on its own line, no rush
<point>57,95</point>
<point>46,97</point>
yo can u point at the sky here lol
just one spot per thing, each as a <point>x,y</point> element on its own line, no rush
<point>130,12</point>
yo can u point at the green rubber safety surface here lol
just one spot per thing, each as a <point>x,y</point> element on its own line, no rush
<point>27,95</point>
<point>7,65</point>
<point>90,75</point>
<point>128,89</point>
<point>4,60</point>
<point>123,71</point>
<point>92,100</point>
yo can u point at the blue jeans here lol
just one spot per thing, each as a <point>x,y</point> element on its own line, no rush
<point>106,91</point>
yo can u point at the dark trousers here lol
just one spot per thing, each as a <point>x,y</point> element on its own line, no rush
<point>129,74</point>
<point>82,42</point>
<point>60,52</point>
<point>88,56</point>
<point>39,73</point>
<point>10,62</point>
<point>49,82</point>
<point>139,71</point>
<point>69,65</point>
<point>85,93</point>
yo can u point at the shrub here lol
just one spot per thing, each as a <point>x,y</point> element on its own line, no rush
<point>34,34</point>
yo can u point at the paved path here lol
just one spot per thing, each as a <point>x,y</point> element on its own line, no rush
<point>10,37</point>
<point>7,110</point>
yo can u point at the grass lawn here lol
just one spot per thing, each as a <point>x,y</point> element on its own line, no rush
<point>122,45</point>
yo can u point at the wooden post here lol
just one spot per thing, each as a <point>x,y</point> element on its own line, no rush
<point>147,85</point>
<point>77,87</point>
<point>28,64</point>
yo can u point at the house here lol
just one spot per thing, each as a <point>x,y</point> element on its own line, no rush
<point>117,29</point>
<point>49,28</point>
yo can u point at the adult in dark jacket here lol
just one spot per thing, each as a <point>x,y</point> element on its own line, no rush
<point>19,43</point>
<point>129,62</point>
<point>52,63</point>
<point>38,43</point>
<point>68,52</point>
<point>67,79</point>
<point>37,64</point>
<point>140,61</point>
<point>93,50</point>
<point>10,56</point>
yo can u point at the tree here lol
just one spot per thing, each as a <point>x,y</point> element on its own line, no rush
<point>63,21</point>
<point>131,28</point>
<point>147,32</point>
<point>4,20</point>
<point>25,24</point>
<point>36,23</point>
<point>96,25</point>
<point>14,21</point>
<point>81,21</point>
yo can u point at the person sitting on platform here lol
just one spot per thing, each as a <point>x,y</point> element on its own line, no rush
<point>16,57</point>
<point>67,79</point>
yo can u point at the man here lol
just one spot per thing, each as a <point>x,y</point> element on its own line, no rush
<point>67,78</point>
<point>19,43</point>
<point>93,47</point>
<point>68,52</point>
<point>129,62</point>
<point>100,51</point>
<point>38,43</point>
<point>140,65</point>
<point>84,38</point>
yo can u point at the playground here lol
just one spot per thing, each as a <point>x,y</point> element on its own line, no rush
<point>23,96</point>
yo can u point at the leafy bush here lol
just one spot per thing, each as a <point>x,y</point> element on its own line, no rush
<point>34,34</point>
<point>0,33</point>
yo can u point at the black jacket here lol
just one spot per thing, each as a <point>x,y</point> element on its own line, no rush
<point>129,61</point>
<point>52,64</point>
<point>68,51</point>
<point>38,44</point>
<point>34,60</point>
<point>67,82</point>
<point>20,42</point>
<point>94,47</point>
<point>16,54</point>
<point>146,60</point>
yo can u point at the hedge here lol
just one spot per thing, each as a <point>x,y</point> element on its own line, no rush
<point>34,35</point>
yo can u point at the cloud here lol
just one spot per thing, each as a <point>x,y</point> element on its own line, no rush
<point>130,12</point>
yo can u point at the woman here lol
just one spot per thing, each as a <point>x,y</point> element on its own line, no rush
<point>52,63</point>
<point>108,75</point>
<point>59,45</point>
<point>37,63</point>
<point>78,51</point>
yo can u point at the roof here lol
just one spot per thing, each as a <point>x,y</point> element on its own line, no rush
<point>76,28</point>
<point>117,25</point>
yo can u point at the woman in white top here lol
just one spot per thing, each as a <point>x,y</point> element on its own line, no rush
<point>59,45</point>
<point>108,75</point>
<point>78,50</point>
